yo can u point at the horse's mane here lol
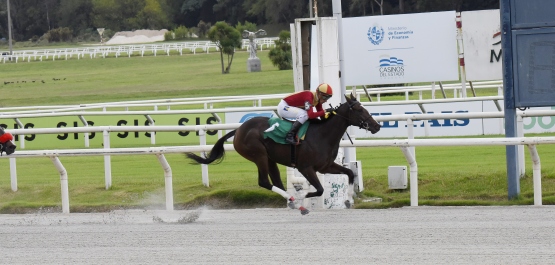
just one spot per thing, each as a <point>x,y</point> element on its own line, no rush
<point>321,121</point>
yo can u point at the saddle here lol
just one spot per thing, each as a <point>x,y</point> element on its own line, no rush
<point>279,128</point>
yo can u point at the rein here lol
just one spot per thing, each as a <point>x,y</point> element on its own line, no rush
<point>348,118</point>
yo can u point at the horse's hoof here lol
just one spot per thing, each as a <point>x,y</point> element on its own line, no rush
<point>304,211</point>
<point>348,204</point>
<point>291,203</point>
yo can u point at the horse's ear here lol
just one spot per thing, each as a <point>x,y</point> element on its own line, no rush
<point>353,97</point>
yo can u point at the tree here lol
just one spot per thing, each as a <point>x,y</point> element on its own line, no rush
<point>117,15</point>
<point>153,15</point>
<point>281,55</point>
<point>75,14</point>
<point>227,38</point>
<point>380,4</point>
<point>276,11</point>
<point>202,28</point>
<point>247,26</point>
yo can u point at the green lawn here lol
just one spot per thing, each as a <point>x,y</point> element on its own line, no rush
<point>447,175</point>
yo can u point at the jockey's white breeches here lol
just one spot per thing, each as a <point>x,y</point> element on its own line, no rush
<point>293,113</point>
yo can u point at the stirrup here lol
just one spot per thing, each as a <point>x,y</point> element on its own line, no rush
<point>295,141</point>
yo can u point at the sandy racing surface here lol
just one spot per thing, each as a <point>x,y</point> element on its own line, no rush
<point>410,235</point>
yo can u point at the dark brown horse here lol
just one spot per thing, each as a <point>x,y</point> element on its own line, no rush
<point>315,154</point>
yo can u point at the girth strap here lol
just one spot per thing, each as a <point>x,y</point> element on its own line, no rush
<point>293,158</point>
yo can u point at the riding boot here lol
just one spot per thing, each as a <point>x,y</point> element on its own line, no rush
<point>291,136</point>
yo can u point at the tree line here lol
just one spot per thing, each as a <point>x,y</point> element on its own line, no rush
<point>32,19</point>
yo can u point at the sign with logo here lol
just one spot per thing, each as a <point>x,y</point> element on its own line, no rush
<point>481,34</point>
<point>451,127</point>
<point>117,139</point>
<point>400,48</point>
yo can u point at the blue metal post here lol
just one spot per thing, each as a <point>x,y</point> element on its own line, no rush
<point>509,98</point>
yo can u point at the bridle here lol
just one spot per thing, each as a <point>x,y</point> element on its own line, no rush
<point>362,124</point>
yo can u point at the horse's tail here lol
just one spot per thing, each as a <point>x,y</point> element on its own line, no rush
<point>216,154</point>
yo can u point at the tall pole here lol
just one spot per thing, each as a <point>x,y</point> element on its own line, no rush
<point>9,28</point>
<point>349,152</point>
<point>513,170</point>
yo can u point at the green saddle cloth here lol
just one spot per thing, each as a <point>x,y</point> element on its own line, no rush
<point>279,128</point>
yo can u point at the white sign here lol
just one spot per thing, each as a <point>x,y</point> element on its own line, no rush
<point>404,48</point>
<point>482,45</point>
<point>437,127</point>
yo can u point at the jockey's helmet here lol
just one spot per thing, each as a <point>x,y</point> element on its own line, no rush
<point>325,91</point>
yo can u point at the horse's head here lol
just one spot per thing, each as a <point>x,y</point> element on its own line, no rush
<point>359,116</point>
<point>6,144</point>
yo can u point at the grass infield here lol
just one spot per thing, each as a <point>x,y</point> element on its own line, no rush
<point>447,175</point>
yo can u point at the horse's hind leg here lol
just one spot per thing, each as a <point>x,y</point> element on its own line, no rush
<point>265,168</point>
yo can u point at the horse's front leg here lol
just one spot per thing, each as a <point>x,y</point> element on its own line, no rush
<point>338,169</point>
<point>312,178</point>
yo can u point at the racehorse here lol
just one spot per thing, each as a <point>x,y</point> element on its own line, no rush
<point>315,154</point>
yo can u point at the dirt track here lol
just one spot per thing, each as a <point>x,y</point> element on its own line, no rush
<point>411,235</point>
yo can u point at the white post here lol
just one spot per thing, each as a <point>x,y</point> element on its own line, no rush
<point>21,136</point>
<point>13,173</point>
<point>86,135</point>
<point>520,148</point>
<point>410,132</point>
<point>107,161</point>
<point>204,168</point>
<point>461,56</point>
<point>413,176</point>
<point>152,134</point>
<point>537,175</point>
<point>168,180</point>
<point>63,183</point>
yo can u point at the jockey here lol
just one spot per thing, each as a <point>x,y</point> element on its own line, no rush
<point>6,144</point>
<point>299,106</point>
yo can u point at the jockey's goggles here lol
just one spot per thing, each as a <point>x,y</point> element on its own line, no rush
<point>325,96</point>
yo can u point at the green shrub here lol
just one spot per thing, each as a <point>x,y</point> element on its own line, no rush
<point>247,26</point>
<point>59,35</point>
<point>168,36</point>
<point>281,55</point>
<point>181,33</point>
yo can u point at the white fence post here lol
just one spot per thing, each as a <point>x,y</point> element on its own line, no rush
<point>22,136</point>
<point>520,148</point>
<point>63,183</point>
<point>107,161</point>
<point>410,133</point>
<point>413,175</point>
<point>86,135</point>
<point>204,168</point>
<point>167,180</point>
<point>537,175</point>
<point>13,174</point>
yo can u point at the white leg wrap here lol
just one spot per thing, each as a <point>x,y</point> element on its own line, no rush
<point>351,191</point>
<point>281,192</point>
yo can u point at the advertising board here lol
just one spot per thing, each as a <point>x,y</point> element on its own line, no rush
<point>481,34</point>
<point>404,48</point>
<point>117,139</point>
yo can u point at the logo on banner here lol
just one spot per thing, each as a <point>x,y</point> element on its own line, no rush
<point>399,33</point>
<point>376,35</point>
<point>497,56</point>
<point>391,67</point>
